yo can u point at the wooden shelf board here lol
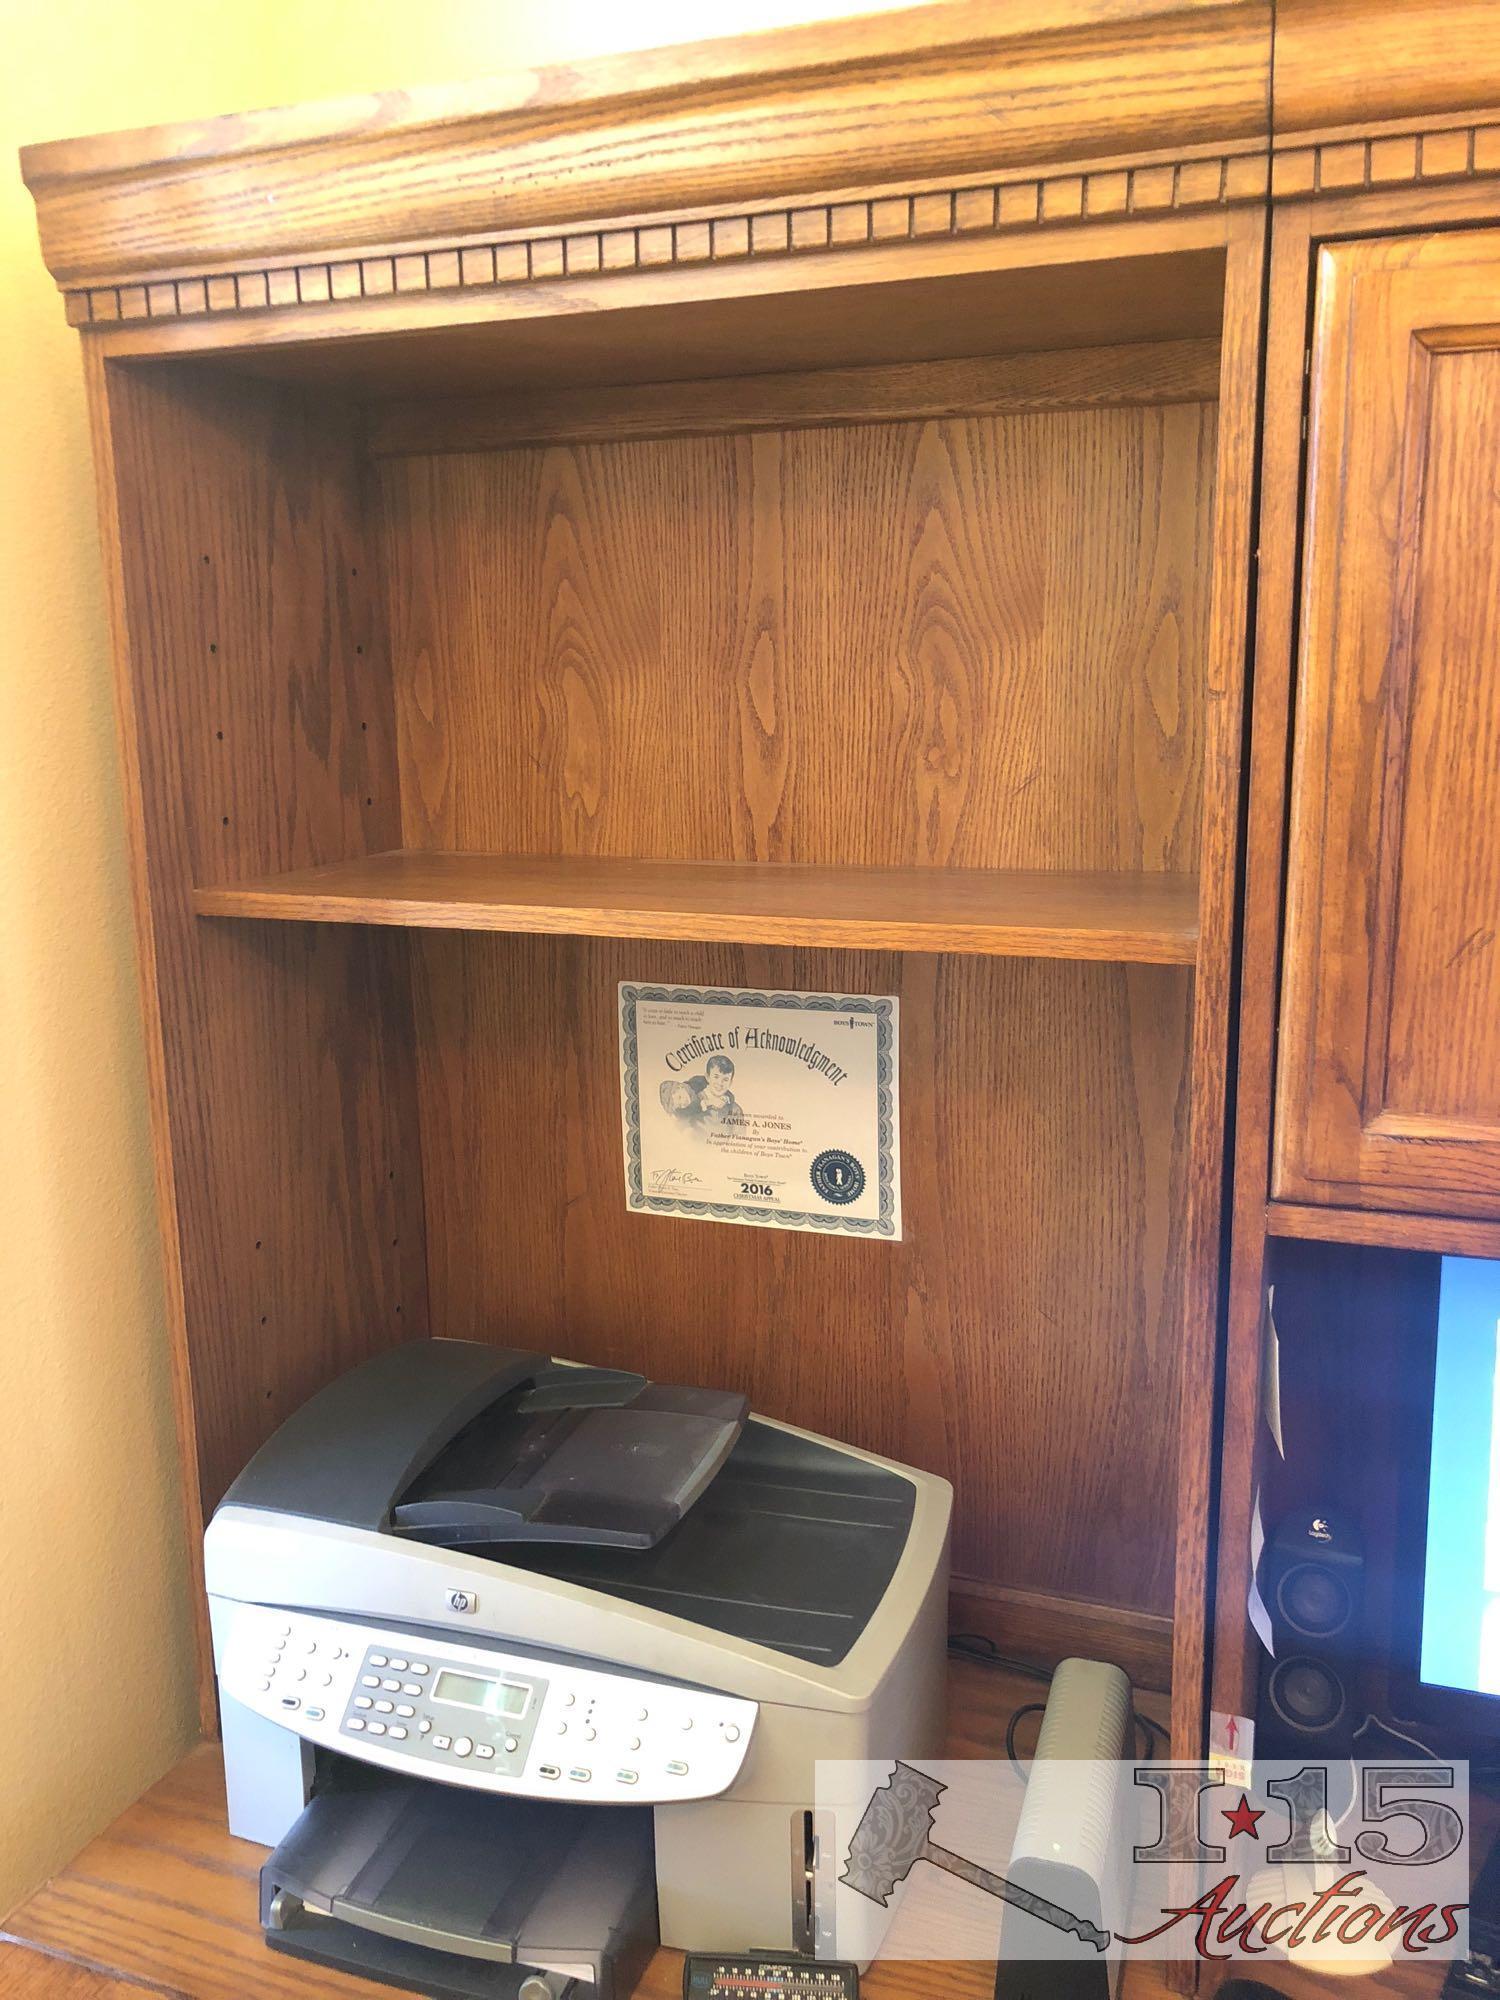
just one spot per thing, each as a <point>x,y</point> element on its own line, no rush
<point>167,1898</point>
<point>1384,1229</point>
<point>1139,918</point>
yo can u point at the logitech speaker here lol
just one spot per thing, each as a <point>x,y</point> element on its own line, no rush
<point>1313,1584</point>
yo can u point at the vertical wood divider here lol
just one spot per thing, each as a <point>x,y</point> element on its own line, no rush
<point>1239,398</point>
<point>163,1166</point>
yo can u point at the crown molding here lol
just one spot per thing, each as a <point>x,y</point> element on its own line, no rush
<point>1347,161</point>
<point>757,130</point>
<point>1399,65</point>
<point>1113,192</point>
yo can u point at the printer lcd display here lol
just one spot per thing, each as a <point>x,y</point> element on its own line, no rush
<point>494,1697</point>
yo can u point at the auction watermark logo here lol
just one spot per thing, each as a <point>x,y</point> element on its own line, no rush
<point>1343,1865</point>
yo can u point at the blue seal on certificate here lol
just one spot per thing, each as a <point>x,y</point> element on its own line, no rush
<point>838,1177</point>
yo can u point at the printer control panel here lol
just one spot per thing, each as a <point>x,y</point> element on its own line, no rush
<point>487,1718</point>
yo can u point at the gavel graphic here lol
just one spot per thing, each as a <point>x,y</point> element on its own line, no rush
<point>894,1834</point>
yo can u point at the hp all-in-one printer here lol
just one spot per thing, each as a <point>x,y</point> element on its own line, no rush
<point>493,1630</point>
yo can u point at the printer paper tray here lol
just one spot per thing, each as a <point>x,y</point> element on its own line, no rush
<point>452,1893</point>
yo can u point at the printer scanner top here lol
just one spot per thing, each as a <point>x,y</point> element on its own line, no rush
<point>506,1496</point>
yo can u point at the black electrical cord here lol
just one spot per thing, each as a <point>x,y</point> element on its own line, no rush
<point>1018,1715</point>
<point>1153,1732</point>
<point>983,1652</point>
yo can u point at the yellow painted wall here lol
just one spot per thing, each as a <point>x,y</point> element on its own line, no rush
<point>93,1603</point>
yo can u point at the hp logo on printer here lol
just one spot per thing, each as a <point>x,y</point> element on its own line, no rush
<point>462,1600</point>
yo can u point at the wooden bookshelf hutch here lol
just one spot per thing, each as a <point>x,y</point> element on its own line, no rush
<point>785,513</point>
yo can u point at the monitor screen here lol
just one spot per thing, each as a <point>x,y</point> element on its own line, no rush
<point>1461,1596</point>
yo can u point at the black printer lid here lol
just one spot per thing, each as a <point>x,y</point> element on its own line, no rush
<point>464,1445</point>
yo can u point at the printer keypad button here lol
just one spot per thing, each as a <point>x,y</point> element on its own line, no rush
<point>628,1777</point>
<point>391,1687</point>
<point>677,1769</point>
<point>402,1708</point>
<point>355,1722</point>
<point>397,1731</point>
<point>378,1660</point>
<point>419,1667</point>
<point>385,1708</point>
<point>580,1774</point>
<point>731,1733</point>
<point>511,1743</point>
<point>376,1728</point>
<point>424,1727</point>
<point>410,1687</point>
<point>363,1701</point>
<point>442,1742</point>
<point>484,1751</point>
<point>398,1666</point>
<point>464,1746</point>
<point>589,1734</point>
<point>369,1680</point>
<point>548,1771</point>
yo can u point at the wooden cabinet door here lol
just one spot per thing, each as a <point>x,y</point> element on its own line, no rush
<point>1388,1091</point>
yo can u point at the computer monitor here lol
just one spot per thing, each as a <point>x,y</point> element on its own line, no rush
<point>1448,1587</point>
<point>1461,1569</point>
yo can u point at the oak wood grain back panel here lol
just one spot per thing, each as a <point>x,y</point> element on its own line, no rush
<point>974,642</point>
<point>259,730</point>
<point>1023,1339</point>
<point>1389,1085</point>
<point>977,642</point>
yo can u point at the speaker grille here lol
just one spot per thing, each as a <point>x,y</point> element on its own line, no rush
<point>1307,1695</point>
<point>1314,1600</point>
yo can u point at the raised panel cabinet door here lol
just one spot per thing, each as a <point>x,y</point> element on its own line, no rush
<point>1388,1090</point>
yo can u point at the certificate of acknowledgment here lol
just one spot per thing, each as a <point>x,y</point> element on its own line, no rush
<point>780,1110</point>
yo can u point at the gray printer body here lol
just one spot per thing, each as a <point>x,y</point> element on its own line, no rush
<point>493,1570</point>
